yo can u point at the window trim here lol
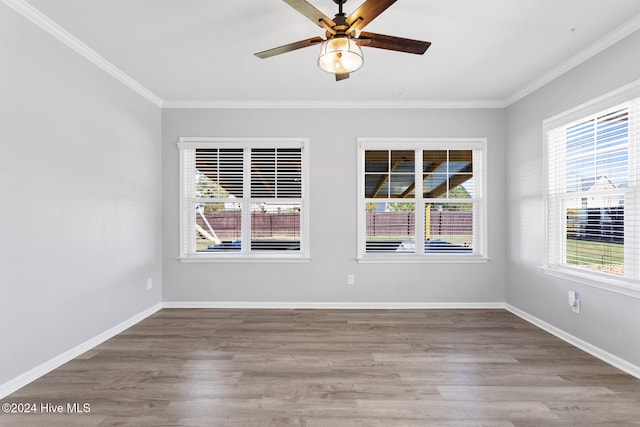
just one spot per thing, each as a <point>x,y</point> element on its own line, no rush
<point>363,144</point>
<point>608,282</point>
<point>303,256</point>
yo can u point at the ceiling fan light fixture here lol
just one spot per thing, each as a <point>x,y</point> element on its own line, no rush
<point>340,55</point>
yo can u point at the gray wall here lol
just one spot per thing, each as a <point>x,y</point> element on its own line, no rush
<point>80,195</point>
<point>608,320</point>
<point>332,135</point>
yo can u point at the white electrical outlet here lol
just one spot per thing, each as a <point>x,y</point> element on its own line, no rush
<point>574,301</point>
<point>351,279</point>
<point>149,284</point>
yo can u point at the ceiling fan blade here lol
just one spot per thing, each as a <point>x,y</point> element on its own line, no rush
<point>367,12</point>
<point>289,47</point>
<point>308,10</point>
<point>399,44</point>
<point>341,76</point>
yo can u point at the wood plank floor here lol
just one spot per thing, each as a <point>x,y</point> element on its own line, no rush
<point>209,367</point>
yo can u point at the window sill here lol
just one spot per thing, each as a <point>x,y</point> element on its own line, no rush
<point>251,258</point>
<point>413,259</point>
<point>593,279</point>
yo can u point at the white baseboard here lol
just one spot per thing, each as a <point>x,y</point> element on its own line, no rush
<point>334,305</point>
<point>601,354</point>
<point>22,380</point>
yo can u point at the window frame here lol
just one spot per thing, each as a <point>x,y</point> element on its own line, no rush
<point>187,222</point>
<point>479,199</point>
<point>629,284</point>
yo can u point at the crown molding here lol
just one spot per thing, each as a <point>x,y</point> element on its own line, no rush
<point>36,17</point>
<point>185,104</point>
<point>608,40</point>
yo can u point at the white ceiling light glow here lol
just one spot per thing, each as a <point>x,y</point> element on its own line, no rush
<point>340,55</point>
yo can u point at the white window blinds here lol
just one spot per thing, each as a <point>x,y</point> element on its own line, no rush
<point>276,173</point>
<point>593,193</point>
<point>243,198</point>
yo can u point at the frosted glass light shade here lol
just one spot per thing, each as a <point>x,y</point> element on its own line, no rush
<point>340,55</point>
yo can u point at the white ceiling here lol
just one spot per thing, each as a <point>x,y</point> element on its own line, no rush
<point>482,51</point>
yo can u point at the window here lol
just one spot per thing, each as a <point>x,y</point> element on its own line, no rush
<point>243,199</point>
<point>592,197</point>
<point>421,200</point>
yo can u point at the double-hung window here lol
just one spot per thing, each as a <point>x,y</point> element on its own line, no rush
<point>593,210</point>
<point>243,199</point>
<point>421,200</point>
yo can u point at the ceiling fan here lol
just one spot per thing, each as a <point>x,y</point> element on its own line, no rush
<point>340,53</point>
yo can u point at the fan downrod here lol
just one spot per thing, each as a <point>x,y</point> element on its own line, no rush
<point>340,3</point>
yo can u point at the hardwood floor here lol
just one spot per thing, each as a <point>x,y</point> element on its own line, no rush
<point>209,367</point>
